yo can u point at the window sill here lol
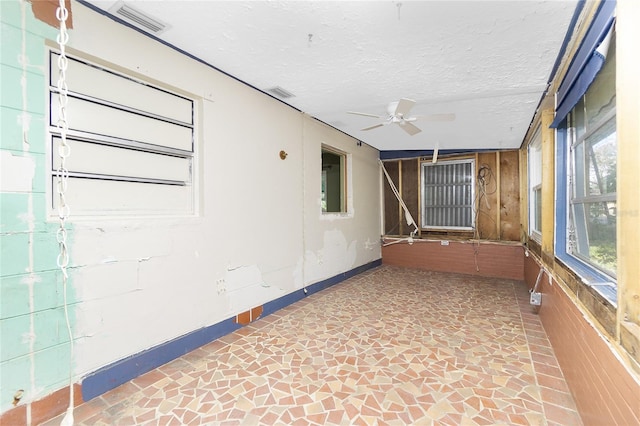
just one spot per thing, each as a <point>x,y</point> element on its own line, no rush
<point>335,215</point>
<point>601,284</point>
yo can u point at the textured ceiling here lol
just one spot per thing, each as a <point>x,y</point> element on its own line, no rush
<point>487,62</point>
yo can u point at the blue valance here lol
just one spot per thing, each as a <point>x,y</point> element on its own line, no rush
<point>587,62</point>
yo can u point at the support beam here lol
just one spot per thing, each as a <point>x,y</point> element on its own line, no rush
<point>401,215</point>
<point>524,194</point>
<point>548,185</point>
<point>498,214</point>
<point>628,194</point>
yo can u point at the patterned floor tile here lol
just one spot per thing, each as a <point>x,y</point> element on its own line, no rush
<point>390,346</point>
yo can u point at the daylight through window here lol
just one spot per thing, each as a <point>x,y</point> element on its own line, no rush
<point>591,129</point>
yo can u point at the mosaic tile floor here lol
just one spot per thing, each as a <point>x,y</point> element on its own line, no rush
<point>391,346</point>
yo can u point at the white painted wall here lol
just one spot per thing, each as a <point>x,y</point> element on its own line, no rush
<point>145,280</point>
<point>338,242</point>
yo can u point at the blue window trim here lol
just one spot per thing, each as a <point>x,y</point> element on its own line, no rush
<point>589,275</point>
<point>561,190</point>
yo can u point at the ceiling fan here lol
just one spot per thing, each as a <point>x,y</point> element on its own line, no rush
<point>398,112</point>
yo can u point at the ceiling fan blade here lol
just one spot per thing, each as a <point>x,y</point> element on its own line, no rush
<point>404,106</point>
<point>410,128</point>
<point>373,127</point>
<point>364,114</point>
<point>436,117</point>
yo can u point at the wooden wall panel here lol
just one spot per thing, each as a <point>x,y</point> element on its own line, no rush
<point>488,213</point>
<point>464,257</point>
<point>509,196</point>
<point>524,193</point>
<point>498,217</point>
<point>409,193</point>
<point>46,11</point>
<point>548,184</point>
<point>391,204</point>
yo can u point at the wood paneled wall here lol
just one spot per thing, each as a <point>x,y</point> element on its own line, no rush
<point>391,204</point>
<point>410,179</point>
<point>510,229</point>
<point>497,200</point>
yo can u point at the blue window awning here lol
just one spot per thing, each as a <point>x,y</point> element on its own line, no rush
<point>587,62</point>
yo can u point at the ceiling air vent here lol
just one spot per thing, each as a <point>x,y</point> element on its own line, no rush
<point>279,92</point>
<point>138,19</point>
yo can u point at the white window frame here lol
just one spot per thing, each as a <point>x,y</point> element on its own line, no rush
<point>578,233</point>
<point>145,166</point>
<point>534,164</point>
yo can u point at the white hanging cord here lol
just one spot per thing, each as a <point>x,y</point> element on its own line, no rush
<point>62,13</point>
<point>487,185</point>
<point>407,214</point>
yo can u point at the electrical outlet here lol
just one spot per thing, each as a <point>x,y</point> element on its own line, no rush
<point>444,243</point>
<point>535,299</point>
<point>221,286</point>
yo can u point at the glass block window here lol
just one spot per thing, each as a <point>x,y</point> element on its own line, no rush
<point>448,195</point>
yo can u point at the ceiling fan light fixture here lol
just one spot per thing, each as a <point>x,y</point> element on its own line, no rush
<point>398,113</point>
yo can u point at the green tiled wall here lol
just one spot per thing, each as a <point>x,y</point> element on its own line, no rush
<point>30,300</point>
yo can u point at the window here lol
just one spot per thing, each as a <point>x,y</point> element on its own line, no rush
<point>591,194</point>
<point>131,144</point>
<point>586,152</point>
<point>448,194</point>
<point>535,186</point>
<point>334,182</point>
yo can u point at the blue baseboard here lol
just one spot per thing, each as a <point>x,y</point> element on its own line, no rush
<point>281,302</point>
<point>113,375</point>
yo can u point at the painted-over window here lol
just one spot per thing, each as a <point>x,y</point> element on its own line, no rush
<point>131,143</point>
<point>448,194</point>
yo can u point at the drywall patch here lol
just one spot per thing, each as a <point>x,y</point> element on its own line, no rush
<point>16,172</point>
<point>246,288</point>
<point>243,276</point>
<point>336,255</point>
<point>118,242</point>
